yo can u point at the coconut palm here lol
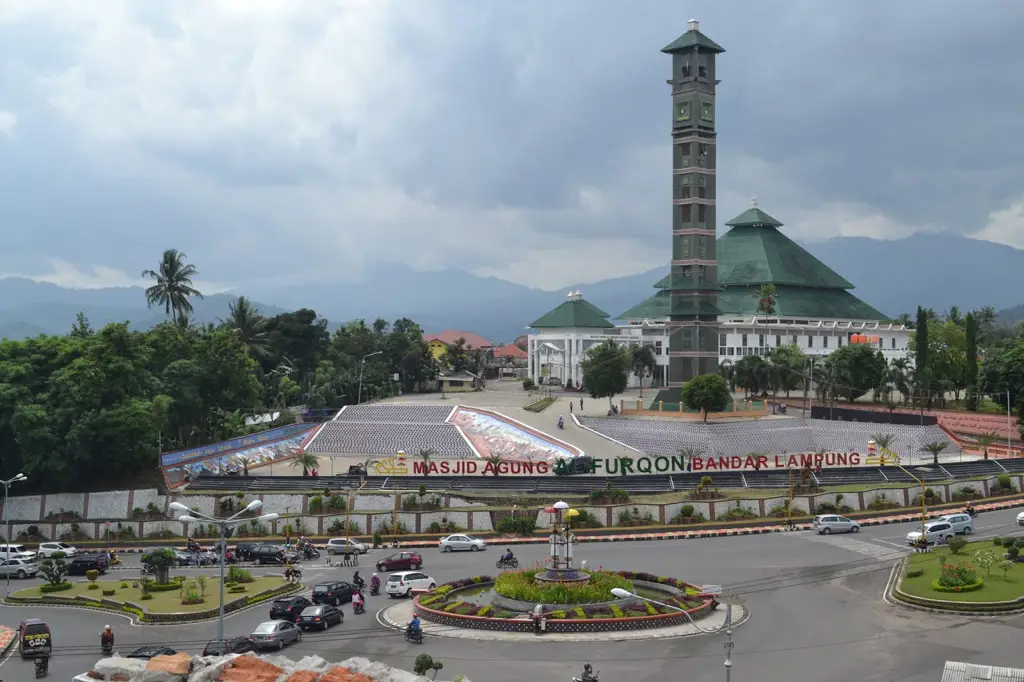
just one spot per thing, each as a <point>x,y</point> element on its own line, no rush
<point>935,447</point>
<point>642,363</point>
<point>494,461</point>
<point>172,286</point>
<point>307,461</point>
<point>766,299</point>
<point>426,455</point>
<point>249,326</point>
<point>986,439</point>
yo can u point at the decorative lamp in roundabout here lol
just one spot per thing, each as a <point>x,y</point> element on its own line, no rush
<point>560,543</point>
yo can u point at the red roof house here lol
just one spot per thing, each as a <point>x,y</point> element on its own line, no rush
<point>510,351</point>
<point>451,336</point>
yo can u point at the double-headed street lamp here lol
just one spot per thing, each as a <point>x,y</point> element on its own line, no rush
<point>7,519</point>
<point>359,396</point>
<point>924,500</point>
<point>192,516</point>
<point>726,627</point>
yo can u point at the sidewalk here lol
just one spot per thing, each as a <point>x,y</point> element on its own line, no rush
<point>582,536</point>
<point>6,639</point>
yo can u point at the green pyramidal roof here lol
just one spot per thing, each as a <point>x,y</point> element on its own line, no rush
<point>691,39</point>
<point>755,252</point>
<point>574,314</point>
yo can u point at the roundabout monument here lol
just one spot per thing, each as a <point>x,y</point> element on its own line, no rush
<point>562,601</point>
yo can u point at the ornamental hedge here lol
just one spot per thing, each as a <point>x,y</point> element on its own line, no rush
<point>520,586</point>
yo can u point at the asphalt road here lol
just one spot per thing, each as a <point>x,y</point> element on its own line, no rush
<point>815,603</point>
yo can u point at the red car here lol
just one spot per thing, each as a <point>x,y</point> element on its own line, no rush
<point>402,561</point>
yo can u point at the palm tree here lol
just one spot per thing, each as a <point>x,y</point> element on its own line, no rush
<point>935,447</point>
<point>986,439</point>
<point>953,315</point>
<point>426,455</point>
<point>883,441</point>
<point>766,299</point>
<point>689,454</point>
<point>905,319</point>
<point>494,461</point>
<point>172,286</point>
<point>728,371</point>
<point>307,461</point>
<point>249,326</point>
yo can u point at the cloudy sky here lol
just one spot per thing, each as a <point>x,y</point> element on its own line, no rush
<point>286,142</point>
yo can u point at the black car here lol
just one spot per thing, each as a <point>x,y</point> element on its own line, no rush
<point>272,554</point>
<point>152,651</point>
<point>288,608</point>
<point>335,592</point>
<point>321,616</point>
<point>244,550</point>
<point>235,645</point>
<point>83,563</point>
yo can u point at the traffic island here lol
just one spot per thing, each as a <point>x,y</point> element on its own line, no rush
<point>180,601</point>
<point>981,577</point>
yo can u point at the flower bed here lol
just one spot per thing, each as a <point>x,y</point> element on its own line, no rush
<point>520,586</point>
<point>595,617</point>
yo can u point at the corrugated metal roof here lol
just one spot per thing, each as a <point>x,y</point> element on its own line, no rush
<point>958,671</point>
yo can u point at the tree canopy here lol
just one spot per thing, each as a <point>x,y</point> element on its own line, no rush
<point>606,370</point>
<point>707,393</point>
<point>94,408</point>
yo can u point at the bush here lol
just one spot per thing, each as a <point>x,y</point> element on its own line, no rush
<point>586,519</point>
<point>146,597</point>
<point>516,525</point>
<point>997,541</point>
<point>59,587</point>
<point>377,541</point>
<point>192,597</point>
<point>1004,481</point>
<point>916,573</point>
<point>1012,552</point>
<point>970,587</point>
<point>124,586</point>
<point>827,508</point>
<point>239,575</point>
<point>338,526</point>
<point>235,589</point>
<point>316,504</point>
<point>528,384</point>
<point>519,585</point>
<point>608,495</point>
<point>385,528</point>
<point>686,511</point>
<point>109,593</point>
<point>957,575</point>
<point>540,405</point>
<point>956,545</point>
<point>93,586</point>
<point>1008,542</point>
<point>1018,543</point>
<point>634,517</point>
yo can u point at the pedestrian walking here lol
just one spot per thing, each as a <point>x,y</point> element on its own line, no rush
<point>570,407</point>
<point>581,404</point>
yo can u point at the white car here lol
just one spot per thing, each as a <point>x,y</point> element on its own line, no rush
<point>338,546</point>
<point>402,584</point>
<point>18,568</point>
<point>934,533</point>
<point>1020,519</point>
<point>48,549</point>
<point>962,523</point>
<point>833,523</point>
<point>16,552</point>
<point>466,543</point>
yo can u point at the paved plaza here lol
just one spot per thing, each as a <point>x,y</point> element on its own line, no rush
<point>815,606</point>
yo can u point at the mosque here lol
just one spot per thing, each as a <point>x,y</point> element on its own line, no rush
<point>707,310</point>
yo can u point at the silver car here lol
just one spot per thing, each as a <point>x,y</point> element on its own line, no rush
<point>18,568</point>
<point>961,523</point>
<point>936,532</point>
<point>274,634</point>
<point>48,549</point>
<point>463,542</point>
<point>338,546</point>
<point>833,523</point>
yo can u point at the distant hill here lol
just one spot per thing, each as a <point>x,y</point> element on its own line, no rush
<point>933,270</point>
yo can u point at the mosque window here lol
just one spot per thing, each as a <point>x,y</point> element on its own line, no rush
<point>744,340</point>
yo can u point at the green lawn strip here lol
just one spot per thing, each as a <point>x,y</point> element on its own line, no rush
<point>540,405</point>
<point>997,588</point>
<point>162,602</point>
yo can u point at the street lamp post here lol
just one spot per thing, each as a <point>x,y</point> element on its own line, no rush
<point>7,521</point>
<point>192,516</point>
<point>726,627</point>
<point>924,501</point>
<point>359,397</point>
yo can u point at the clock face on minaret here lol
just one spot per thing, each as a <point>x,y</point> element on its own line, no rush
<point>693,315</point>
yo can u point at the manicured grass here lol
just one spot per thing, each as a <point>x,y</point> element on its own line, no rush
<point>540,405</point>
<point>162,602</point>
<point>997,588</point>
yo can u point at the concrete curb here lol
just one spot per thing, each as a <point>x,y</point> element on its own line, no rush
<point>691,534</point>
<point>896,578</point>
<point>6,639</point>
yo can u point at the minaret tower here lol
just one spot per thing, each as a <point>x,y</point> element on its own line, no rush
<point>693,315</point>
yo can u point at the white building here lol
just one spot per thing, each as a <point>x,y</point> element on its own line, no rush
<point>813,309</point>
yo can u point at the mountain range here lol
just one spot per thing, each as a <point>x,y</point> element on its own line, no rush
<point>933,270</point>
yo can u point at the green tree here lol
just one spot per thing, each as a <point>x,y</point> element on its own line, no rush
<point>605,370</point>
<point>707,393</point>
<point>249,326</point>
<point>172,285</point>
<point>789,364</point>
<point>986,439</point>
<point>935,448</point>
<point>751,373</point>
<point>919,340</point>
<point>161,560</point>
<point>971,360</point>
<point>642,363</point>
<point>54,568</point>
<point>856,368</point>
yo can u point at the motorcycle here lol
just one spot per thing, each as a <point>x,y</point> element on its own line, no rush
<point>358,607</point>
<point>588,674</point>
<point>414,637</point>
<point>507,563</point>
<point>309,553</point>
<point>374,590</point>
<point>972,512</point>
<point>148,569</point>
<point>107,648</point>
<point>358,581</point>
<point>561,423</point>
<point>293,575</point>
<point>42,667</point>
<point>114,559</point>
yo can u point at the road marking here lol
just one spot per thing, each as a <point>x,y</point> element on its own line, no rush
<point>867,548</point>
